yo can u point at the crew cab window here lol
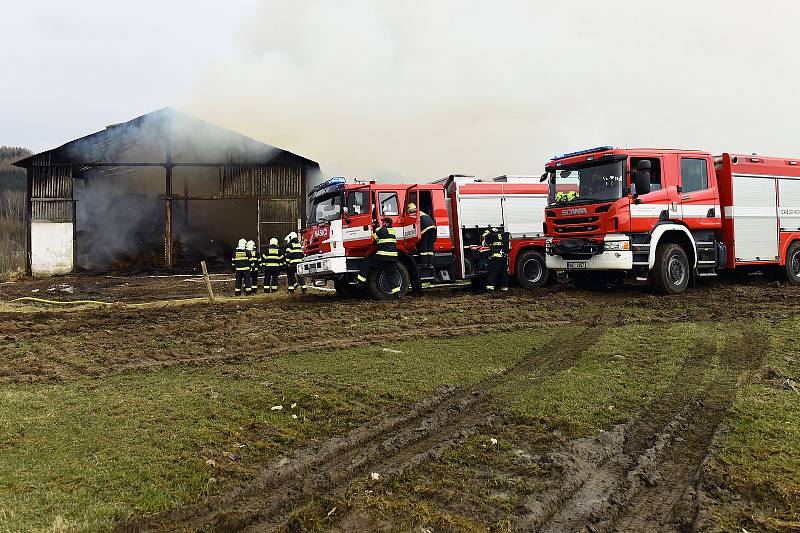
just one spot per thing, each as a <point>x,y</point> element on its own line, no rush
<point>694,174</point>
<point>389,204</point>
<point>358,202</point>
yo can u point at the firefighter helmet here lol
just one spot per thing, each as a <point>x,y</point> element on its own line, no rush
<point>251,245</point>
<point>273,241</point>
<point>242,243</point>
<point>412,208</point>
<point>291,236</point>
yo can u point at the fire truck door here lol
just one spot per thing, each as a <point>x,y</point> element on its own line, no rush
<point>410,222</point>
<point>698,196</point>
<point>357,221</point>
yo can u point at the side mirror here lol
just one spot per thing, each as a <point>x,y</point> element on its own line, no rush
<point>641,177</point>
<point>641,180</point>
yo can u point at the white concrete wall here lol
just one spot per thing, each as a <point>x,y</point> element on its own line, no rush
<point>51,248</point>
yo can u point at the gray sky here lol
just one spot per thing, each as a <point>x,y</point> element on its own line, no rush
<point>413,89</point>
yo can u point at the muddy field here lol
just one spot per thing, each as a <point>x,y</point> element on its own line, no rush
<point>646,474</point>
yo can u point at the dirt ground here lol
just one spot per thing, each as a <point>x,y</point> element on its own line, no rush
<point>643,475</point>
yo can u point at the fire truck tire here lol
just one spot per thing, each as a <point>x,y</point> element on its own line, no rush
<point>531,270</point>
<point>379,288</point>
<point>792,267</point>
<point>671,272</point>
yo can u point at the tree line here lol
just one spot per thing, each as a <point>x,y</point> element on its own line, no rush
<point>11,177</point>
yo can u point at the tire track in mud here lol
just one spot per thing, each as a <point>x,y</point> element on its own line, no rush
<point>391,445</point>
<point>142,341</point>
<point>642,476</point>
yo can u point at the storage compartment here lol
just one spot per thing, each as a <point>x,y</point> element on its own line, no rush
<point>755,216</point>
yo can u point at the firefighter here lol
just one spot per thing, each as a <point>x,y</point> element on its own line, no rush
<point>498,260</point>
<point>241,266</point>
<point>272,262</point>
<point>294,256</point>
<point>427,236</point>
<point>255,266</point>
<point>385,258</point>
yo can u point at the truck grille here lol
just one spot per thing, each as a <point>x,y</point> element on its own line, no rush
<point>577,229</point>
<point>563,226</point>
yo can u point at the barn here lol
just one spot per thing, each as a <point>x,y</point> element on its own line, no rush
<point>163,190</point>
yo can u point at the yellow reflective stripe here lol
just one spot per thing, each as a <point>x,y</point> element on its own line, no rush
<point>247,268</point>
<point>386,241</point>
<point>384,252</point>
<point>426,229</point>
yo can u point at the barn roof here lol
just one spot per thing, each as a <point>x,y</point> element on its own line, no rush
<point>165,135</point>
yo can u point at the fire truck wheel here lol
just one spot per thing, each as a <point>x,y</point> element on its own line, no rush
<point>531,271</point>
<point>793,263</point>
<point>671,272</point>
<point>380,286</point>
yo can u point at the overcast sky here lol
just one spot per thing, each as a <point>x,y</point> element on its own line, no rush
<point>412,89</point>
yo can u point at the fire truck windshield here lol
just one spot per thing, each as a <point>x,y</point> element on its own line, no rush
<point>588,183</point>
<point>326,207</point>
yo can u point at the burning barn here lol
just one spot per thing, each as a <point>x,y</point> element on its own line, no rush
<point>161,190</point>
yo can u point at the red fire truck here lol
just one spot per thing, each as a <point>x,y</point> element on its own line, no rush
<point>669,215</point>
<point>342,216</point>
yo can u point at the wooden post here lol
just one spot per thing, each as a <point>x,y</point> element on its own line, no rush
<point>208,282</point>
<point>168,218</point>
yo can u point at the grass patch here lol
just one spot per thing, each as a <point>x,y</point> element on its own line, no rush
<point>754,473</point>
<point>89,452</point>
<point>615,376</point>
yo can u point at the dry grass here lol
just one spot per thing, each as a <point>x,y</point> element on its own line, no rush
<point>12,233</point>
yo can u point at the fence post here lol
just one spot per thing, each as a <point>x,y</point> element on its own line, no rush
<point>208,282</point>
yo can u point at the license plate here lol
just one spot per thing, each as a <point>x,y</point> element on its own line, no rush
<point>576,265</point>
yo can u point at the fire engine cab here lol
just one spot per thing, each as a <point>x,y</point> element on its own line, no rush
<point>669,215</point>
<point>343,215</point>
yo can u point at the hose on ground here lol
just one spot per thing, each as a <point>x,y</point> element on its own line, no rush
<point>57,302</point>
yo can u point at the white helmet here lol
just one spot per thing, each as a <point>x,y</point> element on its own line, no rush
<point>273,241</point>
<point>292,235</point>
<point>251,245</point>
<point>242,243</point>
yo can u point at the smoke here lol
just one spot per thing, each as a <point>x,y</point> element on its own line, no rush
<point>120,211</point>
<point>412,89</point>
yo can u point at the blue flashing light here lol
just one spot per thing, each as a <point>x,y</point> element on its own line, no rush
<point>579,152</point>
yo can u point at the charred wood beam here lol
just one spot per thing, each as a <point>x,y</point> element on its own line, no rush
<point>236,197</point>
<point>168,218</point>
<point>167,164</point>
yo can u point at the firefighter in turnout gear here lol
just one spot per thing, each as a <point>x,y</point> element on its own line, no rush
<point>294,256</point>
<point>241,267</point>
<point>385,258</point>
<point>255,265</point>
<point>272,261</point>
<point>498,260</point>
<point>427,236</point>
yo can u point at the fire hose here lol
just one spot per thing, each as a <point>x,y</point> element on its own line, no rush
<point>58,302</point>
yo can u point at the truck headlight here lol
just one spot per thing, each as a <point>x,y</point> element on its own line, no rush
<point>617,245</point>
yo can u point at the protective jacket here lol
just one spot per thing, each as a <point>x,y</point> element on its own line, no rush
<point>387,242</point>
<point>273,258</point>
<point>241,259</point>
<point>294,252</point>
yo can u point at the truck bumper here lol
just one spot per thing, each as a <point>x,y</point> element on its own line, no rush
<point>608,260</point>
<point>322,266</point>
<point>618,257</point>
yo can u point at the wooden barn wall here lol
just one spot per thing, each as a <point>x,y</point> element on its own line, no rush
<point>261,181</point>
<point>51,193</point>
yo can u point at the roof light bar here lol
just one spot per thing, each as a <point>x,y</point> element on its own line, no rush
<point>579,152</point>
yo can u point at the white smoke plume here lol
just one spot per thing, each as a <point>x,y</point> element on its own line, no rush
<point>415,89</point>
